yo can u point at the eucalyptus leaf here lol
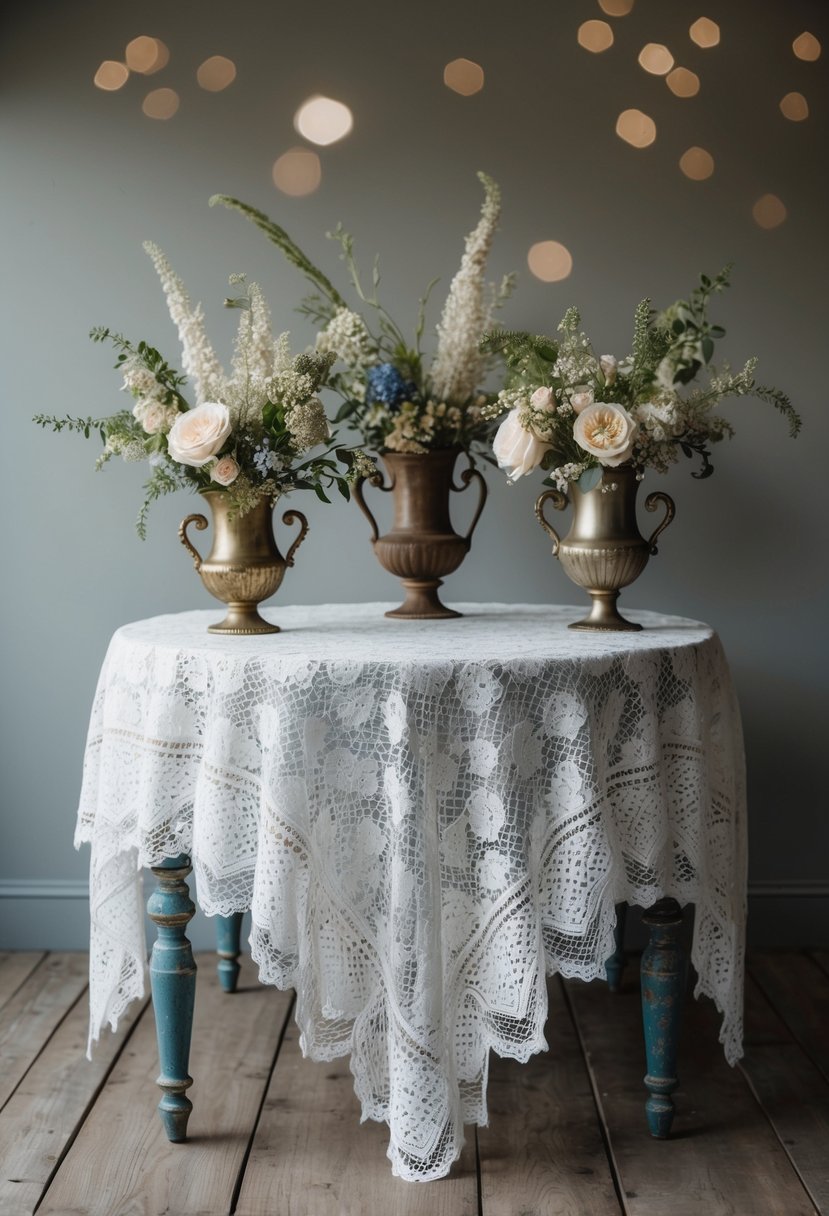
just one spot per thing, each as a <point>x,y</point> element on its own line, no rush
<point>589,479</point>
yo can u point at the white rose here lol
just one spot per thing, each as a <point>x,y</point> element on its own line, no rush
<point>543,399</point>
<point>195,437</point>
<point>582,397</point>
<point>225,471</point>
<point>608,364</point>
<point>516,449</point>
<point>606,431</point>
<point>154,416</point>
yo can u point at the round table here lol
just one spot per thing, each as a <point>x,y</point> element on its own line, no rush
<point>424,819</point>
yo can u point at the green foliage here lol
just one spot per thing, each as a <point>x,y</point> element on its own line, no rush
<point>163,480</point>
<point>82,426</point>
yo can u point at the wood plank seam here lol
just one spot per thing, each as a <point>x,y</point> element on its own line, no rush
<point>818,957</point>
<point>478,1173</point>
<point>237,1189</point>
<point>70,1140</point>
<point>791,1029</point>
<point>615,1172</point>
<point>7,996</point>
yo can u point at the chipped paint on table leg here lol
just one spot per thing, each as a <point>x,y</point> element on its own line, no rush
<point>173,981</point>
<point>615,965</point>
<point>663,985</point>
<point>228,934</point>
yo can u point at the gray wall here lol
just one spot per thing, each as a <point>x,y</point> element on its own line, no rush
<point>86,177</point>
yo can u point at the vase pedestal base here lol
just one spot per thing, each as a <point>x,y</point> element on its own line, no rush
<point>243,619</point>
<point>422,602</point>
<point>605,616</point>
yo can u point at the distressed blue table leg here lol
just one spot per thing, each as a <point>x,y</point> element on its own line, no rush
<point>663,985</point>
<point>173,981</point>
<point>228,933</point>
<point>615,965</point>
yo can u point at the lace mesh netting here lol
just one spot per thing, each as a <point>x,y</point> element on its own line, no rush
<point>424,819</point>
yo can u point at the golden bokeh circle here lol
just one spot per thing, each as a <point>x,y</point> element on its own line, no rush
<point>806,46</point>
<point>550,261</point>
<point>683,82</point>
<point>161,103</point>
<point>705,32</point>
<point>111,75</point>
<point>769,211</point>
<point>595,36</point>
<point>636,128</point>
<point>464,76</point>
<point>297,172</point>
<point>216,73</point>
<point>697,164</point>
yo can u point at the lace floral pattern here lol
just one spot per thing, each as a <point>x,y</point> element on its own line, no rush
<point>423,820</point>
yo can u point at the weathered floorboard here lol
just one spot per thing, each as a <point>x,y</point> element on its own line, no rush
<point>311,1156</point>
<point>723,1158</point>
<point>29,1018</point>
<point>798,989</point>
<point>792,1092</point>
<point>49,1104</point>
<point>122,1163</point>
<point>543,1150</point>
<point>15,967</point>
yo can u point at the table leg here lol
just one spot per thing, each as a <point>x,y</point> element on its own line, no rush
<point>663,984</point>
<point>228,933</point>
<point>173,981</point>
<point>615,965</point>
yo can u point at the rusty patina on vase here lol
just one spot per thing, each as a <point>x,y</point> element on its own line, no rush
<point>604,550</point>
<point>244,565</point>
<point>422,547</point>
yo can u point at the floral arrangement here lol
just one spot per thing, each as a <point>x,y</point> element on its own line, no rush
<point>574,413</point>
<point>250,433</point>
<point>388,395</point>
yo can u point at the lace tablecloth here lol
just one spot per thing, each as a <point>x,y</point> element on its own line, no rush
<point>424,818</point>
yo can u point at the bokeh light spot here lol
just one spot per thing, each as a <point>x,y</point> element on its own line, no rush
<point>636,128</point>
<point>595,36</point>
<point>769,211</point>
<point>682,82</point>
<point>297,172</point>
<point>656,59</point>
<point>807,47</point>
<point>705,32</point>
<point>550,261</point>
<point>321,120</point>
<point>216,73</point>
<point>697,164</point>
<point>111,75</point>
<point>464,76</point>
<point>795,107</point>
<point>161,103</point>
<point>616,8</point>
<point>146,55</point>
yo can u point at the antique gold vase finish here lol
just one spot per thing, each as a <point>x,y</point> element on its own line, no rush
<point>604,551</point>
<point>244,565</point>
<point>422,547</point>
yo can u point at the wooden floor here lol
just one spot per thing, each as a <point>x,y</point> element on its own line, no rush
<point>274,1134</point>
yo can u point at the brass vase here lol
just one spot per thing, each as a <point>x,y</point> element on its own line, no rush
<point>422,546</point>
<point>244,565</point>
<point>604,551</point>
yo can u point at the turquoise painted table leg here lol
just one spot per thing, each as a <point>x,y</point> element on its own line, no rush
<point>663,986</point>
<point>173,981</point>
<point>228,933</point>
<point>615,965</point>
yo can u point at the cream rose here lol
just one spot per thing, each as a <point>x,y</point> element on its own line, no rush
<point>606,431</point>
<point>608,364</point>
<point>195,437</point>
<point>225,471</point>
<point>582,397</point>
<point>516,449</point>
<point>155,416</point>
<point>543,399</point>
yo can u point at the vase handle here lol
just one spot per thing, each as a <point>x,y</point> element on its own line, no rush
<point>651,503</point>
<point>292,517</point>
<point>201,523</point>
<point>357,492</point>
<point>467,477</point>
<point>559,501</point>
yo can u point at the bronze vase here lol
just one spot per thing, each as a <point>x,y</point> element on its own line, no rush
<point>422,546</point>
<point>244,565</point>
<point>604,551</point>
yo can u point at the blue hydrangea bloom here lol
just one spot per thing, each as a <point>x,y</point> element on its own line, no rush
<point>384,383</point>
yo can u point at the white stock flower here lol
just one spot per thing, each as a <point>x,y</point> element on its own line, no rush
<point>196,436</point>
<point>543,399</point>
<point>346,335</point>
<point>198,357</point>
<point>225,471</point>
<point>581,397</point>
<point>609,365</point>
<point>516,449</point>
<point>459,366</point>
<point>606,431</point>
